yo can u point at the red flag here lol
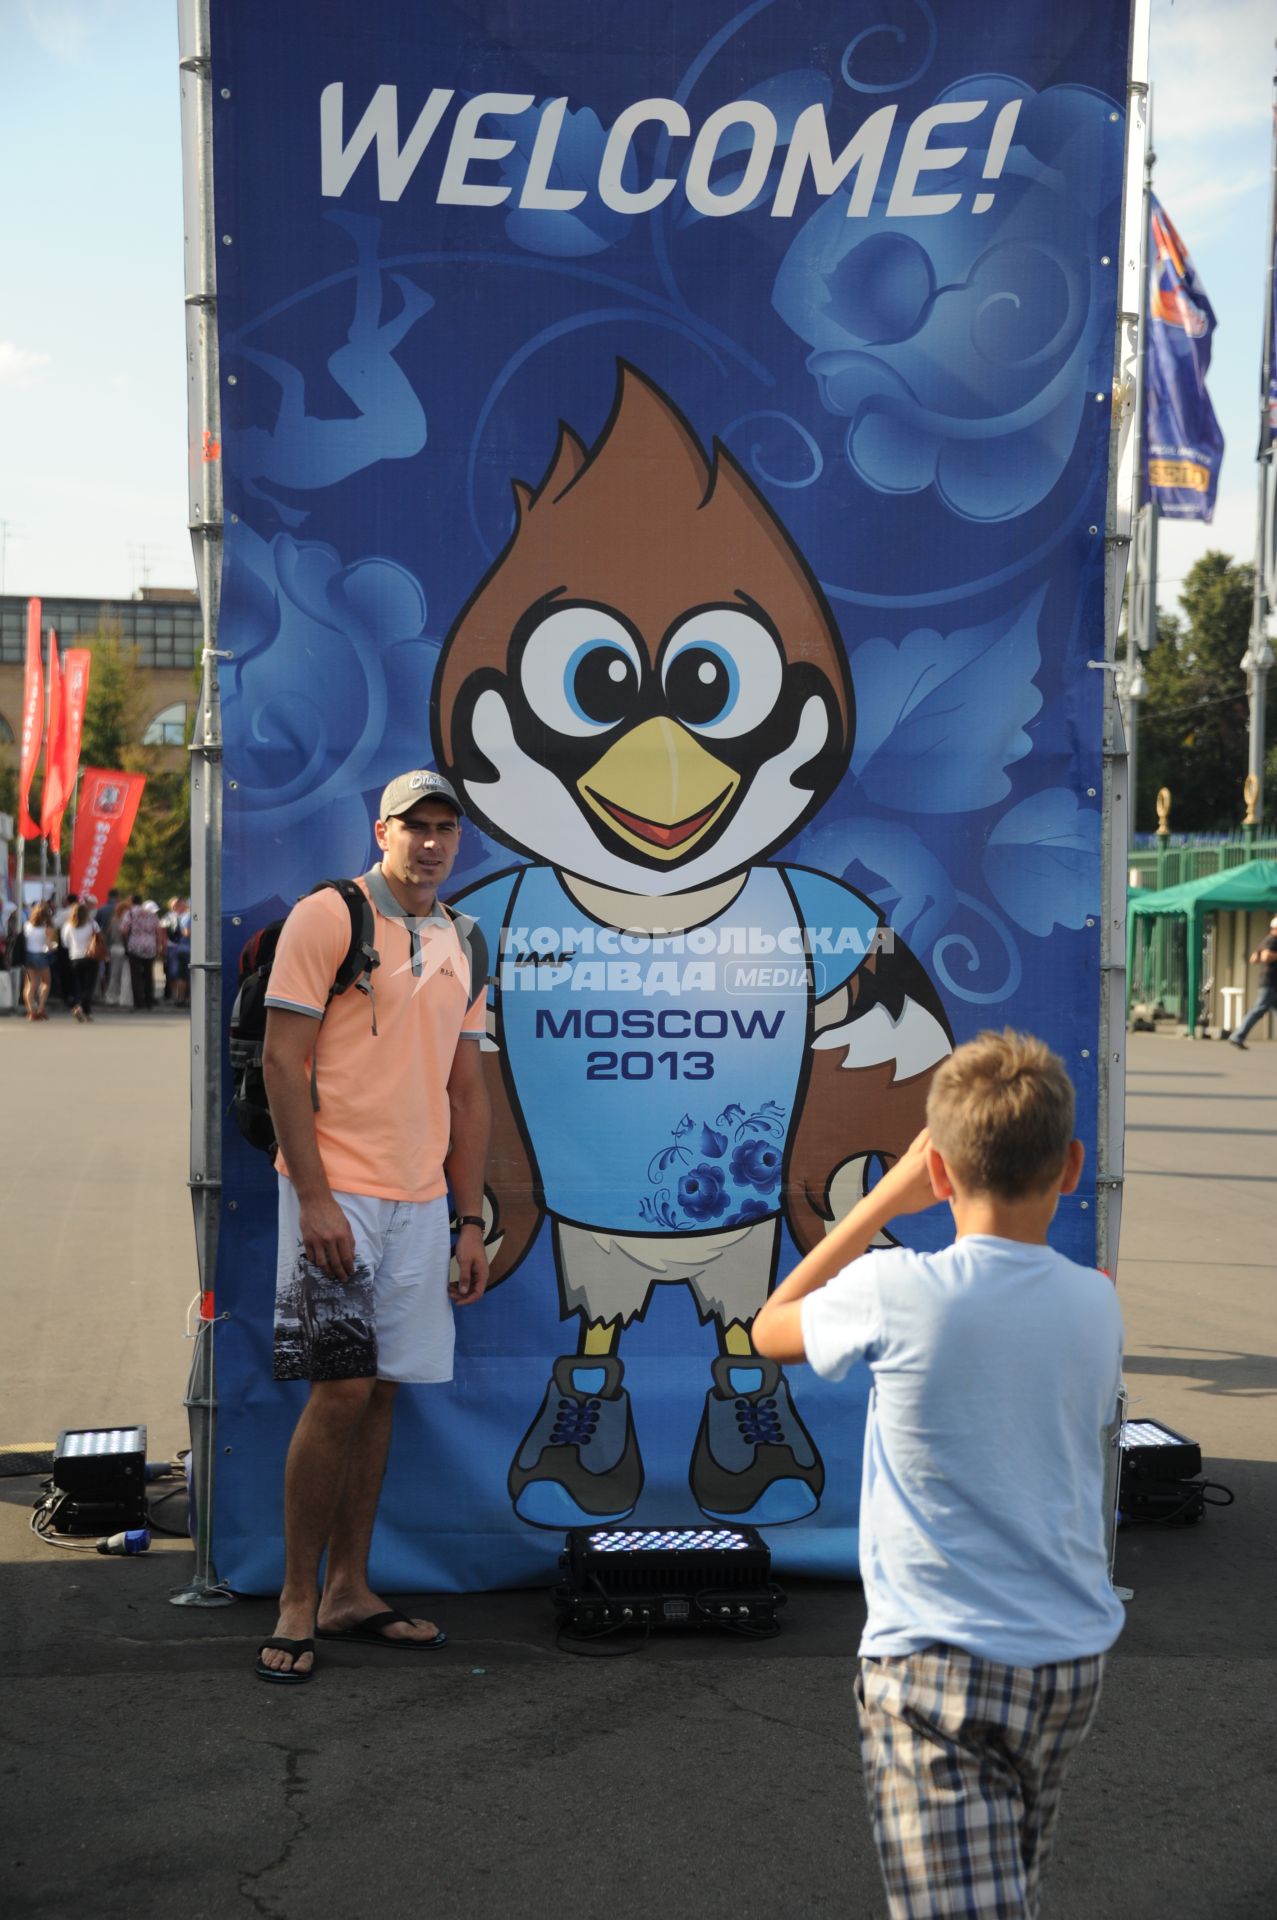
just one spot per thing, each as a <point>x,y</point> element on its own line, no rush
<point>62,760</point>
<point>32,721</point>
<point>52,800</point>
<point>103,823</point>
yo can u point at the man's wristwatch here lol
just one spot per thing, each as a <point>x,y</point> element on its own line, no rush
<point>468,1220</point>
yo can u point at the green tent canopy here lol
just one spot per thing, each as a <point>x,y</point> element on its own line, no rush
<point>1248,888</point>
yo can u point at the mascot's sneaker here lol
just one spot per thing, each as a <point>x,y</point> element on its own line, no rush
<point>754,1459</point>
<point>579,1461</point>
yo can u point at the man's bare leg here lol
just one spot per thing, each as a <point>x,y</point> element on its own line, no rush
<point>319,1458</point>
<point>347,1597</point>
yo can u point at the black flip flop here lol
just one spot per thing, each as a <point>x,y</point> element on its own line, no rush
<point>368,1633</point>
<point>285,1676</point>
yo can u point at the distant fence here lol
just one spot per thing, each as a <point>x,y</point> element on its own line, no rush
<point>1192,859</point>
<point>1159,960</point>
<point>1159,966</point>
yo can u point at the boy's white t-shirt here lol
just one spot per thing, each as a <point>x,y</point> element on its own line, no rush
<point>995,1372</point>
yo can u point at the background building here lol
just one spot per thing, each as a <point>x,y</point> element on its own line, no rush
<point>161,623</point>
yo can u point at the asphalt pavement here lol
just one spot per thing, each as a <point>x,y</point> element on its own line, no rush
<point>147,1773</point>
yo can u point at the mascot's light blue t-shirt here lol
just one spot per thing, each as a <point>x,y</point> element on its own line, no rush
<point>995,1369</point>
<point>658,1076</point>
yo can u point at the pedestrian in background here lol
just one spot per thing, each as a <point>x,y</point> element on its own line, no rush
<point>78,937</point>
<point>119,984</point>
<point>140,924</point>
<point>61,983</point>
<point>1265,958</point>
<point>177,955</point>
<point>11,952</point>
<point>37,963</point>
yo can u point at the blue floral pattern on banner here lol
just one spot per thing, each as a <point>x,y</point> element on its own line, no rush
<point>709,1191</point>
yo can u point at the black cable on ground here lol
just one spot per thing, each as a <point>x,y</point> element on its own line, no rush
<point>562,1638</point>
<point>158,1526</point>
<point>42,1519</point>
<point>1195,1498</point>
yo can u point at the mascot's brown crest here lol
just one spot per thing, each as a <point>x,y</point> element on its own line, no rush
<point>646,525</point>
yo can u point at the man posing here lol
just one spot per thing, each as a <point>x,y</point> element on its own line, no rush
<point>995,1368</point>
<point>379,1107</point>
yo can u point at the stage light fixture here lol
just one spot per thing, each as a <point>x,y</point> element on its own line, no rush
<point>1157,1480</point>
<point>100,1472</point>
<point>667,1577</point>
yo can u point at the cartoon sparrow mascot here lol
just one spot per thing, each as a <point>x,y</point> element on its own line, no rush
<point>645,695</point>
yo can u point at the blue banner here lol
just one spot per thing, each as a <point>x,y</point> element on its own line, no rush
<point>1183,443</point>
<point>689,430</point>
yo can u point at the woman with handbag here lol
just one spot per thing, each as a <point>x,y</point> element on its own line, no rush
<point>81,938</point>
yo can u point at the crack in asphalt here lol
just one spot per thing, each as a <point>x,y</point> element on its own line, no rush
<point>295,1784</point>
<point>719,1692</point>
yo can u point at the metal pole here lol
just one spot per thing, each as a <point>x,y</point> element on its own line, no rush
<point>1141,611</point>
<point>1119,751</point>
<point>1257,660</point>
<point>1117,773</point>
<point>204,1590</point>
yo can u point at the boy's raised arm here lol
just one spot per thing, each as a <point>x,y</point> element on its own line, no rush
<point>905,1188</point>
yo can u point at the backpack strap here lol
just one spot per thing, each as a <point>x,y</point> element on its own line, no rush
<point>361,955</point>
<point>359,964</point>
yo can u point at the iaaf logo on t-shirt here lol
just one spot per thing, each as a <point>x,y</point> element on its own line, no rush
<point>426,958</point>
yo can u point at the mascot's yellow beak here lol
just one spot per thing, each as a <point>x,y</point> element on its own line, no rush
<point>659,788</point>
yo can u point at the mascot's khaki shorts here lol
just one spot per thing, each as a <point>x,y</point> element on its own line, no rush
<point>392,1320</point>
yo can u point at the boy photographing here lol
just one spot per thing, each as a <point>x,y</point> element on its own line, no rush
<point>995,1372</point>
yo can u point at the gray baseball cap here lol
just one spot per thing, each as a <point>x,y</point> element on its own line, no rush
<point>406,789</point>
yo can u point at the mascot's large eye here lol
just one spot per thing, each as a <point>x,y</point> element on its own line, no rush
<point>580,670</point>
<point>722,672</point>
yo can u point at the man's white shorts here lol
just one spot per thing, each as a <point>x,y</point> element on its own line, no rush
<point>392,1320</point>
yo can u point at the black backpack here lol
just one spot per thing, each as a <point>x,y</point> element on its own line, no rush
<point>248,1015</point>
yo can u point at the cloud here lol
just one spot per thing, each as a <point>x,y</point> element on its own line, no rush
<point>15,362</point>
<point>1190,194</point>
<point>1209,61</point>
<point>64,27</point>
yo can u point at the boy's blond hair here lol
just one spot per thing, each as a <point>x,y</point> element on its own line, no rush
<point>1000,1114</point>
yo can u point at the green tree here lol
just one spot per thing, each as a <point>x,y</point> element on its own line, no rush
<point>157,860</point>
<point>1193,722</point>
<point>113,712</point>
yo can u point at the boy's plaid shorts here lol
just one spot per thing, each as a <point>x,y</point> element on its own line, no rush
<point>964,1761</point>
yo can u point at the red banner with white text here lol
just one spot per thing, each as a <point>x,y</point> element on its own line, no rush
<point>108,808</point>
<point>32,721</point>
<point>62,755</point>
<point>52,799</point>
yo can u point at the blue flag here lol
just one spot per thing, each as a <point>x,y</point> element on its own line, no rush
<point>1183,443</point>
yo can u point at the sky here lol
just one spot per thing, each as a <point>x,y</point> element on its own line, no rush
<point>93,456</point>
